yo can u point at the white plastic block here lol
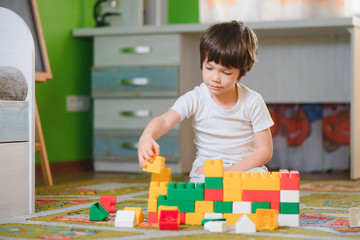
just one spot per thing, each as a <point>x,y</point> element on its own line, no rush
<point>241,207</point>
<point>216,226</point>
<point>213,215</point>
<point>125,218</point>
<point>292,196</point>
<point>289,220</point>
<point>245,225</point>
<point>354,217</point>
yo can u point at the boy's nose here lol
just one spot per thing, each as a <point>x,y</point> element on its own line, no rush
<point>216,78</point>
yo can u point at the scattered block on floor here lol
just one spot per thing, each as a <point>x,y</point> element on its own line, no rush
<point>138,213</point>
<point>267,219</point>
<point>169,220</point>
<point>354,217</point>
<point>98,212</point>
<point>125,218</point>
<point>245,225</point>
<point>216,226</point>
<point>155,166</point>
<point>108,202</point>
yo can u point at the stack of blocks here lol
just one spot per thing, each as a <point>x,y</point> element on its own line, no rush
<point>230,196</point>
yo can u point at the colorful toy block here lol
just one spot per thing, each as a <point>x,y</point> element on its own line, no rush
<point>289,180</point>
<point>289,196</point>
<point>354,217</point>
<point>230,195</point>
<point>155,166</point>
<point>138,213</point>
<point>182,218</point>
<point>241,207</point>
<point>169,220</point>
<point>245,225</point>
<point>260,196</point>
<point>259,205</point>
<point>216,226</point>
<point>193,218</point>
<point>289,208</point>
<point>185,191</point>
<point>213,215</point>
<point>213,168</point>
<point>162,207</point>
<point>233,180</point>
<point>152,217</point>
<point>184,206</point>
<point>232,218</point>
<point>204,206</point>
<point>209,220</point>
<point>158,188</point>
<point>222,207</point>
<point>213,194</point>
<point>275,205</point>
<point>165,175</point>
<point>125,219</point>
<point>213,183</point>
<point>267,219</point>
<point>289,220</point>
<point>108,202</point>
<point>261,181</point>
<point>98,212</point>
<point>152,203</point>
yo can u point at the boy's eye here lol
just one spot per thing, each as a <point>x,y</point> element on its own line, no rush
<point>208,68</point>
<point>227,73</point>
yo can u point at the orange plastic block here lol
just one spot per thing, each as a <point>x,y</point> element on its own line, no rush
<point>289,180</point>
<point>152,203</point>
<point>155,166</point>
<point>157,188</point>
<point>204,206</point>
<point>233,180</point>
<point>261,181</point>
<point>231,195</point>
<point>232,218</point>
<point>152,217</point>
<point>138,212</point>
<point>267,219</point>
<point>194,218</point>
<point>213,168</point>
<point>164,176</point>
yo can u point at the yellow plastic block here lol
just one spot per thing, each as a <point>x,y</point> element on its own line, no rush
<point>267,219</point>
<point>261,181</point>
<point>204,206</point>
<point>193,218</point>
<point>138,212</point>
<point>230,195</point>
<point>155,166</point>
<point>213,168</point>
<point>152,204</point>
<point>162,207</point>
<point>164,176</point>
<point>233,180</point>
<point>158,188</point>
<point>232,218</point>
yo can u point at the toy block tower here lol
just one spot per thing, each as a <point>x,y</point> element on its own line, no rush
<point>233,186</point>
<point>155,166</point>
<point>213,180</point>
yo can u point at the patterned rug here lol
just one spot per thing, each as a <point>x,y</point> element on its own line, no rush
<point>62,212</point>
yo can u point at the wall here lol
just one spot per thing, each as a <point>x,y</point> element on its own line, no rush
<point>67,135</point>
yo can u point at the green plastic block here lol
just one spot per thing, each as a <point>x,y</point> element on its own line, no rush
<point>259,205</point>
<point>289,208</point>
<point>184,206</point>
<point>185,191</point>
<point>222,207</point>
<point>98,212</point>
<point>214,183</point>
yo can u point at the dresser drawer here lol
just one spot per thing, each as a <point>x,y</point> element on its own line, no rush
<point>128,113</point>
<point>135,81</point>
<point>122,145</point>
<point>139,50</point>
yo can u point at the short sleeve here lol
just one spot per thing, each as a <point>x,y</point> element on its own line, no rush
<point>186,105</point>
<point>259,114</point>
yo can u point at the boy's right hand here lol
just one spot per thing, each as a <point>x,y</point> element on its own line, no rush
<point>147,148</point>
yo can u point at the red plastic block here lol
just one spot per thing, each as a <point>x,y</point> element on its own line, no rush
<point>214,195</point>
<point>275,205</point>
<point>152,217</point>
<point>108,202</point>
<point>182,218</point>
<point>260,196</point>
<point>169,220</point>
<point>289,180</point>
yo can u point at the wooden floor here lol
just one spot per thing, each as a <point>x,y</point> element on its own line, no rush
<point>70,172</point>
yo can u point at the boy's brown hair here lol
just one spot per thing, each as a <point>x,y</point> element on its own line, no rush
<point>231,44</point>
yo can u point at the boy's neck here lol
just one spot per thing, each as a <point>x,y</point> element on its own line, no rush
<point>227,100</point>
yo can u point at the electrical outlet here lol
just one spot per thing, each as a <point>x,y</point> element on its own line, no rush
<point>77,103</point>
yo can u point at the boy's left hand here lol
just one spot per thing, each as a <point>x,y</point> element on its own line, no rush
<point>200,170</point>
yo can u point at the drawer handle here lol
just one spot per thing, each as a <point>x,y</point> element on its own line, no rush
<point>136,113</point>
<point>130,145</point>
<point>134,81</point>
<point>136,50</point>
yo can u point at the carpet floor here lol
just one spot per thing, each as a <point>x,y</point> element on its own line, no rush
<point>62,212</point>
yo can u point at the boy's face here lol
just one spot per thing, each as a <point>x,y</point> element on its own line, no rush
<point>219,79</point>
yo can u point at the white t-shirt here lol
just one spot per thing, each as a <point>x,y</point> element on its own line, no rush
<point>223,134</point>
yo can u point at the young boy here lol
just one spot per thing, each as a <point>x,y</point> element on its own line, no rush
<point>230,121</point>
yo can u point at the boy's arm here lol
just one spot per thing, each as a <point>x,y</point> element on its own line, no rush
<point>262,154</point>
<point>153,131</point>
